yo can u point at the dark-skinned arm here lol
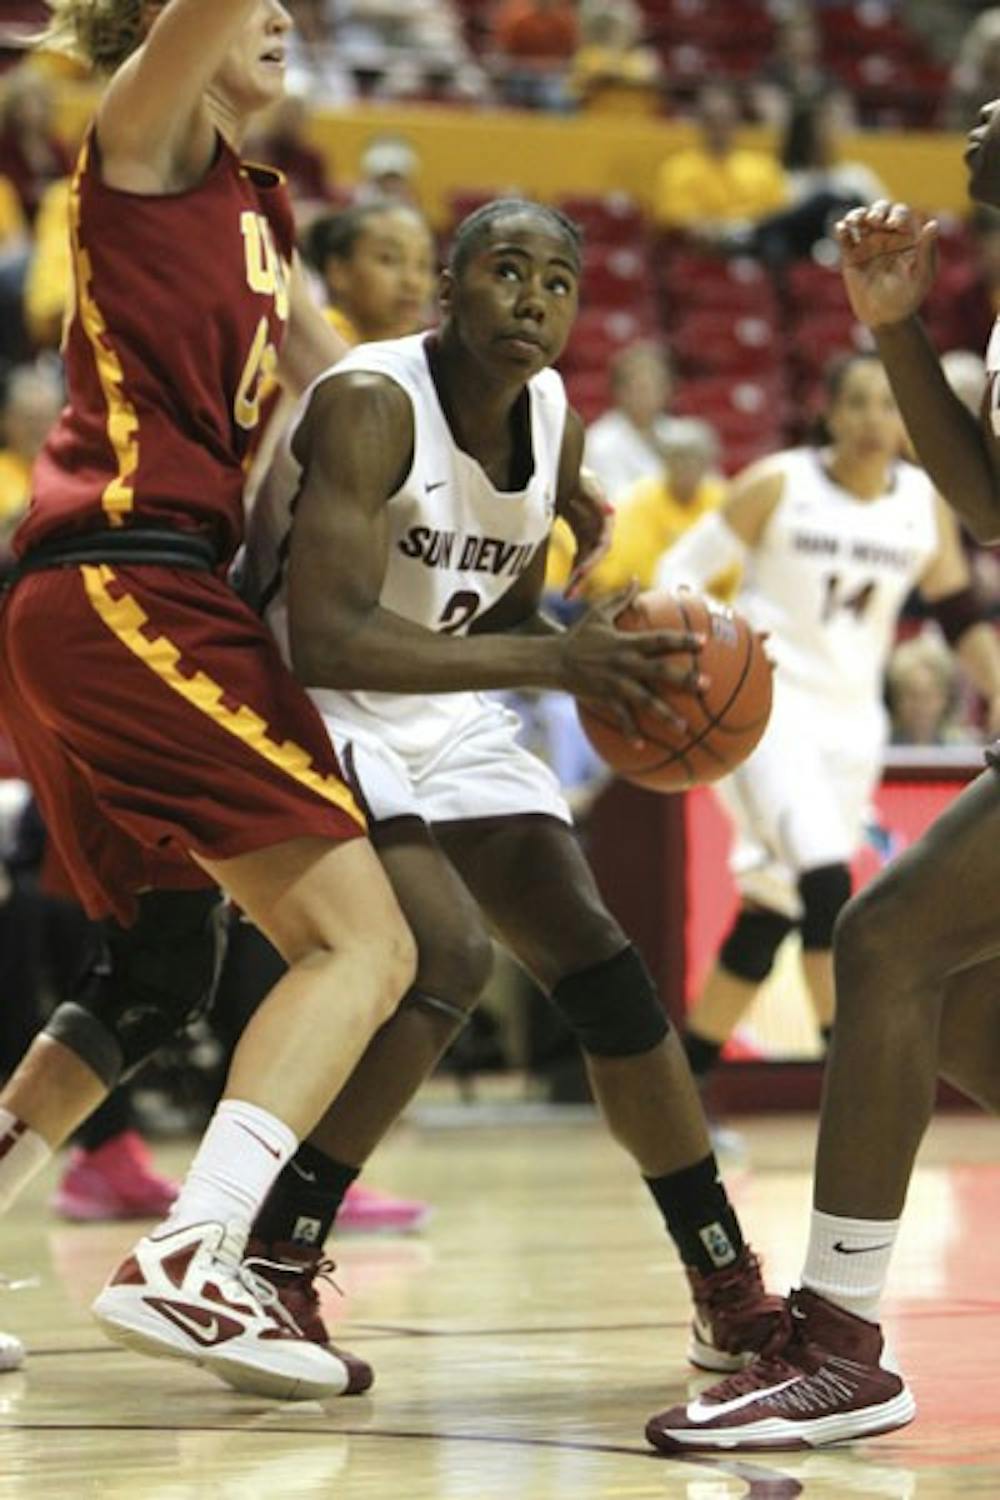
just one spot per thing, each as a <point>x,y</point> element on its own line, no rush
<point>356,445</point>
<point>889,262</point>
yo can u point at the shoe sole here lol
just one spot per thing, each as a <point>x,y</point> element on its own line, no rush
<point>777,1434</point>
<point>239,1374</point>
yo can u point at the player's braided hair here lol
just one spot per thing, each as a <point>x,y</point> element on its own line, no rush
<point>101,33</point>
<point>474,229</point>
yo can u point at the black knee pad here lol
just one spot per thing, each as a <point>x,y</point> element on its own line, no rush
<point>752,942</point>
<point>146,982</point>
<point>824,892</point>
<point>613,1007</point>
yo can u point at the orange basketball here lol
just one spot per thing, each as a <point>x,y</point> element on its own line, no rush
<point>725,720</point>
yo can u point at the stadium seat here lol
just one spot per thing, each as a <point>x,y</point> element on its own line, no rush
<point>738,285</point>
<point>810,288</point>
<point>616,277</point>
<point>707,342</point>
<point>599,335</point>
<point>606,219</point>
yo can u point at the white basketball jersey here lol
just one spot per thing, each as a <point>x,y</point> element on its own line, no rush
<point>830,574</point>
<point>456,542</point>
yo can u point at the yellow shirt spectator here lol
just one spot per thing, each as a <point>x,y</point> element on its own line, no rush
<point>695,187</point>
<point>653,513</point>
<point>50,274</point>
<point>15,484</point>
<point>13,227</point>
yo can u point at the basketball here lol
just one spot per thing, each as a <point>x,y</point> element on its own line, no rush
<point>725,720</point>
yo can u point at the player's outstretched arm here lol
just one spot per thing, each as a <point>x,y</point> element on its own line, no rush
<point>719,542</point>
<point>356,446</point>
<point>154,100</point>
<point>888,258</point>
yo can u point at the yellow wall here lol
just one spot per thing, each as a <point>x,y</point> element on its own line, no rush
<point>548,155</point>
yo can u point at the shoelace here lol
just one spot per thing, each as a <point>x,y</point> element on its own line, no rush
<point>771,1365</point>
<point>730,1285</point>
<point>228,1258</point>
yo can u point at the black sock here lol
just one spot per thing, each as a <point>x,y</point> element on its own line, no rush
<point>702,1054</point>
<point>698,1215</point>
<point>303,1203</point>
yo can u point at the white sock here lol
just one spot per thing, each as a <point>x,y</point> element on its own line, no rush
<point>23,1152</point>
<point>848,1261</point>
<point>241,1153</point>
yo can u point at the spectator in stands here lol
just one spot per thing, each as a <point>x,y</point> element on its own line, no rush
<point>15,251</point>
<point>49,275</point>
<point>627,443</point>
<point>822,184</point>
<point>31,155</point>
<point>922,686</point>
<point>32,399</point>
<point>535,41</point>
<point>716,187</point>
<point>611,69</point>
<point>281,142</point>
<point>315,65</point>
<point>654,512</point>
<point>389,167</point>
<point>794,74</point>
<point>377,263</point>
<point>975,79</point>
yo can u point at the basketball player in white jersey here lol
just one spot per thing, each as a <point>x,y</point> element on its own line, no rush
<point>425,475</point>
<point>831,540</point>
<point>916,952</point>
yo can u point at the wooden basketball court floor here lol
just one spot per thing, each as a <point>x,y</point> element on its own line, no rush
<point>519,1342</point>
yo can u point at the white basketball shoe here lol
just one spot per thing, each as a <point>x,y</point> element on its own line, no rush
<point>188,1295</point>
<point>11,1352</point>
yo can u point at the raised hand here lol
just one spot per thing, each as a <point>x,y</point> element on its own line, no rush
<point>889,260</point>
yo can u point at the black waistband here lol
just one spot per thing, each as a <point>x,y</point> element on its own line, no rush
<point>155,546</point>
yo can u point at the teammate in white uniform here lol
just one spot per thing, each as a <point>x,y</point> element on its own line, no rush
<point>425,475</point>
<point>832,540</point>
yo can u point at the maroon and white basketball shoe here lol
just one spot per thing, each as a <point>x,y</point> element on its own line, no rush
<point>821,1380</point>
<point>188,1294</point>
<point>294,1271</point>
<point>734,1317</point>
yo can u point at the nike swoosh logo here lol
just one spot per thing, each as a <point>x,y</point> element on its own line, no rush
<point>843,1249</point>
<point>204,1327</point>
<point>301,1171</point>
<point>705,1411</point>
<point>438,485</point>
<point>260,1140</point>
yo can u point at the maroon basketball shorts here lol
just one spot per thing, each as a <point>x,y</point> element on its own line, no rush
<point>154,716</point>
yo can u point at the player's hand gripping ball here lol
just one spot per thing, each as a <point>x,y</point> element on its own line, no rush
<point>724,721</point>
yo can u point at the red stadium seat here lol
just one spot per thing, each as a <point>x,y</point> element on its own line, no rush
<point>706,342</point>
<point>615,277</point>
<point>600,334</point>
<point>820,337</point>
<point>734,403</point>
<point>811,287</point>
<point>738,285</point>
<point>589,392</point>
<point>607,219</point>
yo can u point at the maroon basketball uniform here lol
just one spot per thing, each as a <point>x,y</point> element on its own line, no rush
<point>149,705</point>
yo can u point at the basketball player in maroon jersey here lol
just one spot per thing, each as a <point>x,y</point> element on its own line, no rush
<point>170,749</point>
<point>915,953</point>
